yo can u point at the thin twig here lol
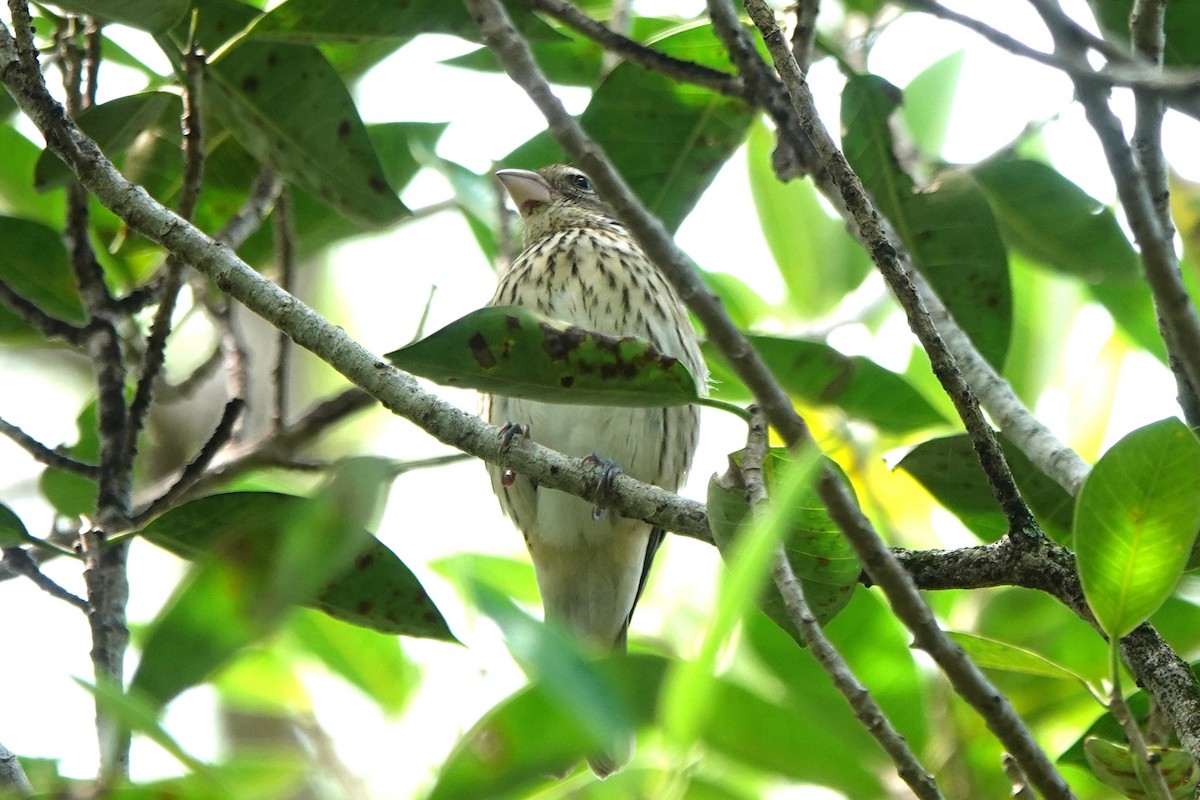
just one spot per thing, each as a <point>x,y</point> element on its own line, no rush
<point>194,380</point>
<point>47,455</point>
<point>1177,88</point>
<point>868,712</point>
<point>883,568</point>
<point>285,255</point>
<point>18,561</point>
<point>93,41</point>
<point>1180,324</point>
<point>637,53</point>
<point>49,326</point>
<point>1149,39</point>
<point>154,356</point>
<point>194,470</point>
<point>264,190</point>
<point>805,32</point>
<point>1133,734</point>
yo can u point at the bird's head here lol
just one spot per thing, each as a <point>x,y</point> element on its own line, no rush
<point>555,198</point>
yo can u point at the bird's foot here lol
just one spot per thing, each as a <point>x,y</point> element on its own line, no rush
<point>508,432</point>
<point>611,470</point>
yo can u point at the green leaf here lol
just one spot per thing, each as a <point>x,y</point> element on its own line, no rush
<point>1118,767</point>
<point>17,194</point>
<point>378,591</point>
<point>992,654</point>
<point>946,224</point>
<point>1136,520</point>
<point>1181,27</point>
<point>13,532</point>
<point>820,556</point>
<point>148,15</point>
<point>667,139</point>
<point>290,109</point>
<point>370,661</point>
<point>949,469</point>
<point>929,102</point>
<point>534,734</point>
<point>34,263</point>
<point>254,575</point>
<point>114,126</point>
<point>819,261</point>
<point>1053,221</point>
<point>139,714</point>
<point>820,375</point>
<point>512,351</point>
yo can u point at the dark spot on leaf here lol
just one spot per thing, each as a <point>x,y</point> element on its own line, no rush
<point>481,352</point>
<point>250,83</point>
<point>559,344</point>
<point>364,561</point>
<point>512,322</point>
<point>364,607</point>
<point>566,381</point>
<point>430,616</point>
<point>378,184</point>
<point>343,129</point>
<point>991,301</point>
<point>272,58</point>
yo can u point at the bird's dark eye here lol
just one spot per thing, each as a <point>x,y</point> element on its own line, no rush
<point>581,182</point>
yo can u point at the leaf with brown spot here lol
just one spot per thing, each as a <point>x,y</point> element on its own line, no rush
<point>364,594</point>
<point>513,351</point>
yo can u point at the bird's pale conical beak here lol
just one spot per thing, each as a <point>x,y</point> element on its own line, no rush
<point>527,189</point>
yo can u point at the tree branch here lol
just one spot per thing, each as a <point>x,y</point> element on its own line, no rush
<point>46,455</point>
<point>12,776</point>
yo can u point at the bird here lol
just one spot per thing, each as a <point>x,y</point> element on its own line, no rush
<point>581,266</point>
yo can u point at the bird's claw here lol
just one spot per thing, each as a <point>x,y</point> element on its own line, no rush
<point>508,432</point>
<point>611,470</point>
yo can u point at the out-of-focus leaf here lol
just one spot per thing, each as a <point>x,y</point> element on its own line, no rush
<point>1118,767</point>
<point>1132,308</point>
<point>992,654</point>
<point>744,305</point>
<point>139,714</point>
<point>1181,27</point>
<point>820,556</point>
<point>514,578</point>
<point>254,575</point>
<point>475,195</point>
<point>929,101</point>
<point>818,259</point>
<point>667,139</point>
<point>148,15</point>
<point>549,655</point>
<point>946,225</point>
<point>320,21</point>
<point>114,126</point>
<point>1054,222</point>
<point>534,733</point>
<point>512,351</point>
<point>820,375</point>
<point>370,661</point>
<point>378,591</point>
<point>1135,523</point>
<point>949,469</point>
<point>288,107</point>
<point>264,682</point>
<point>33,262</point>
<point>747,728</point>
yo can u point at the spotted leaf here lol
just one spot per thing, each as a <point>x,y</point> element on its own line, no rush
<point>512,351</point>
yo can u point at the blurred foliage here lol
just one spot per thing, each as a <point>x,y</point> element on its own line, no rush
<point>278,584</point>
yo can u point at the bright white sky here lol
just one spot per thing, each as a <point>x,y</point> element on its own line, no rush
<point>383,283</point>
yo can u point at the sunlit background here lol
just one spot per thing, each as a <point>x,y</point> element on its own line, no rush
<point>384,282</point>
